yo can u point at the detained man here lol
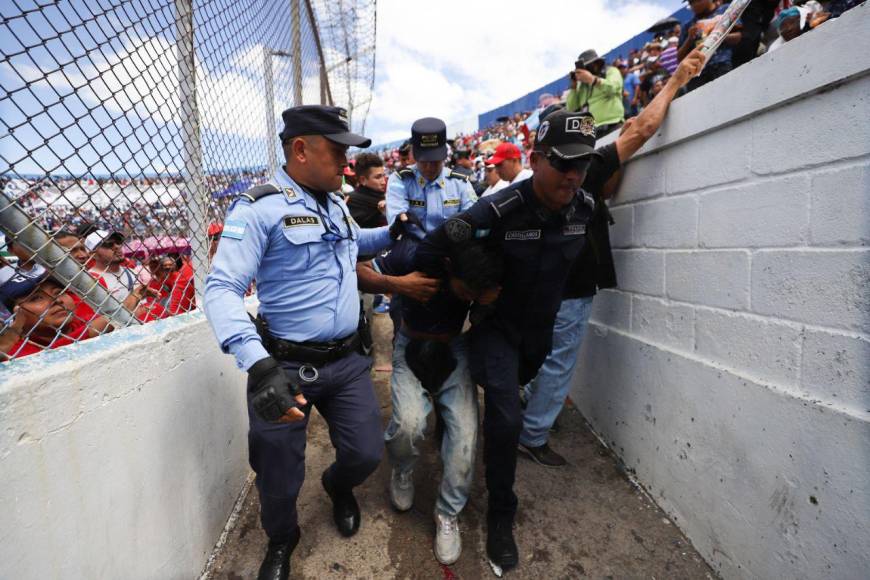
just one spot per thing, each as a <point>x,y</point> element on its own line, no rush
<point>430,369</point>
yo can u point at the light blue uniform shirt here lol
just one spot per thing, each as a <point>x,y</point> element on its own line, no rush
<point>307,287</point>
<point>431,201</point>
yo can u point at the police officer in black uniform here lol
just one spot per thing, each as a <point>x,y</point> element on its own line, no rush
<point>539,225</point>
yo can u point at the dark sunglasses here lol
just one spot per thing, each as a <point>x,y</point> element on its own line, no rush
<point>580,165</point>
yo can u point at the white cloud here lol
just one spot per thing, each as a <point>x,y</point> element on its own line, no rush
<point>456,59</point>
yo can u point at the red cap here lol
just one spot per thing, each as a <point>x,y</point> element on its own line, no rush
<point>504,151</point>
<point>215,228</point>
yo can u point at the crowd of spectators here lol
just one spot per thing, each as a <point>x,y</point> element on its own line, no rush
<point>38,311</point>
<point>129,234</point>
<point>764,26</point>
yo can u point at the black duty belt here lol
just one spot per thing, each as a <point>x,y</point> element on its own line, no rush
<point>313,353</point>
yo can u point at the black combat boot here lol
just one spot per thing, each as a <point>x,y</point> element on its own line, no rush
<point>500,545</point>
<point>345,510</point>
<point>276,564</point>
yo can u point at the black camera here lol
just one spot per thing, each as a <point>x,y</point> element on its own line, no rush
<point>595,70</point>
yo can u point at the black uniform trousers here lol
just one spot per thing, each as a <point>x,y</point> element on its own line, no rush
<point>344,395</point>
<point>501,362</point>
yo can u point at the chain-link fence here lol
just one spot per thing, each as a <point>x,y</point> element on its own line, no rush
<point>127,128</point>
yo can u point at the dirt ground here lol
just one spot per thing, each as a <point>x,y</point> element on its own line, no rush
<point>583,520</point>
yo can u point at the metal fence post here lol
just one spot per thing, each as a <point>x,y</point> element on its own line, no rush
<point>195,194</point>
<point>296,50</point>
<point>271,133</point>
<point>323,86</point>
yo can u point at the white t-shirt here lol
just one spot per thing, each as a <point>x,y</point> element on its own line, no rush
<point>523,174</point>
<point>119,284</point>
<point>500,184</point>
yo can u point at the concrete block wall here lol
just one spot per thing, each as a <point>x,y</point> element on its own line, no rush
<point>731,368</point>
<point>120,457</point>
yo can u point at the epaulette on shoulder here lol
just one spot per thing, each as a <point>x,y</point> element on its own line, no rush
<point>406,173</point>
<point>457,175</point>
<point>505,201</point>
<point>259,192</point>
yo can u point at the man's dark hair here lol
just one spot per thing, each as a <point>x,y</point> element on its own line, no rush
<point>86,229</point>
<point>366,161</point>
<point>461,154</point>
<point>478,265</point>
<point>65,233</point>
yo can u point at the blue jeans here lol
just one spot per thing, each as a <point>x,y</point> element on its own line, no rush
<point>546,394</point>
<point>457,402</point>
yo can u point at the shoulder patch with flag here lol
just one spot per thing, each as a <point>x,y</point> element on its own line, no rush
<point>234,229</point>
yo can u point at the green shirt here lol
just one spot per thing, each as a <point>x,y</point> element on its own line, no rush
<point>604,98</point>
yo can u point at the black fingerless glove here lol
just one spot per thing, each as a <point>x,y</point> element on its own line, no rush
<point>400,228</point>
<point>271,390</point>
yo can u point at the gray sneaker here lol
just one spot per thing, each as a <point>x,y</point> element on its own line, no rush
<point>402,490</point>
<point>448,544</point>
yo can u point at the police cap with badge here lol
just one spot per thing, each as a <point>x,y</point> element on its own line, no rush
<point>329,122</point>
<point>307,120</point>
<point>429,139</point>
<point>567,140</point>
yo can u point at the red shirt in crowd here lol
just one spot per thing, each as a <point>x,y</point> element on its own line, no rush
<point>149,309</point>
<point>183,297</point>
<point>83,313</point>
<point>26,348</point>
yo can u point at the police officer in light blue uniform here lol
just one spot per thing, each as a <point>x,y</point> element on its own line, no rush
<point>427,189</point>
<point>296,238</point>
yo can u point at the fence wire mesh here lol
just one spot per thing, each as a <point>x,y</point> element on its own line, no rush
<point>127,128</point>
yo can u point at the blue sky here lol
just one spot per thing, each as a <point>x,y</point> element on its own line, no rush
<point>117,111</point>
<point>471,57</point>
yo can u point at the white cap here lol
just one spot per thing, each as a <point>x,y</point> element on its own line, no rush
<point>97,237</point>
<point>673,40</point>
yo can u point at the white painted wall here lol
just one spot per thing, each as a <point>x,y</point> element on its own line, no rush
<point>120,457</point>
<point>731,370</point>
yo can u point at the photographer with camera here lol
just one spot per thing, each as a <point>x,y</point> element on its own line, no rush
<point>597,90</point>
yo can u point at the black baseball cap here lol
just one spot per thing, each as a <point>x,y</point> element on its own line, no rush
<point>329,122</point>
<point>21,285</point>
<point>568,135</point>
<point>429,139</point>
<point>550,110</point>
